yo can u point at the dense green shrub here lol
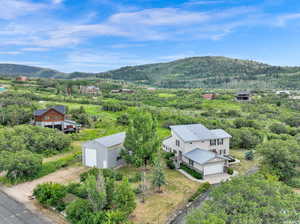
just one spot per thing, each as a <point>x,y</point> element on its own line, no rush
<point>230,171</point>
<point>50,194</point>
<point>202,189</point>
<point>78,210</point>
<point>192,172</point>
<point>35,139</point>
<point>77,189</point>
<point>169,155</point>
<point>123,119</point>
<point>114,107</point>
<point>107,173</point>
<point>280,158</point>
<point>294,182</point>
<point>279,128</point>
<point>136,178</point>
<point>170,164</point>
<point>94,172</point>
<point>245,138</point>
<point>21,165</point>
<point>124,198</point>
<point>293,121</point>
<point>248,199</point>
<point>249,155</point>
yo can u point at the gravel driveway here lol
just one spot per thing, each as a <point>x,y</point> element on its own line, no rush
<point>21,192</point>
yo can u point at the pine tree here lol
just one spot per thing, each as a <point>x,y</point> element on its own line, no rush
<point>158,176</point>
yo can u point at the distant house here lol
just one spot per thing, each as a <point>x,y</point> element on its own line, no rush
<point>151,89</point>
<point>22,79</point>
<point>283,92</point>
<point>201,149</point>
<point>209,96</point>
<point>104,152</point>
<point>243,96</point>
<point>55,117</point>
<point>122,91</point>
<point>91,90</point>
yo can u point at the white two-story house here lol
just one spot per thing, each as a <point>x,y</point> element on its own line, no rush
<point>202,149</point>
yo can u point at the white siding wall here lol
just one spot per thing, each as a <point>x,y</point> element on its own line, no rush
<point>187,147</point>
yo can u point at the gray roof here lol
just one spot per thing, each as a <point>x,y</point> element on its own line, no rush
<point>111,140</point>
<point>197,132</point>
<point>220,133</point>
<point>243,93</point>
<point>60,109</point>
<point>202,156</point>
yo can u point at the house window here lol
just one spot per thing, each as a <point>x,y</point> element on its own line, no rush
<point>47,118</point>
<point>177,142</point>
<point>220,141</point>
<point>213,142</point>
<point>224,151</point>
<point>191,162</point>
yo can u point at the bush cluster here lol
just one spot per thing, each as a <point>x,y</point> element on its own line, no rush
<point>192,172</point>
<point>202,189</point>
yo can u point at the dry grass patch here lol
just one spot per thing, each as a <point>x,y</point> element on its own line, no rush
<point>159,206</point>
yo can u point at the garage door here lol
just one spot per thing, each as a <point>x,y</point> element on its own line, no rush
<point>213,168</point>
<point>90,157</point>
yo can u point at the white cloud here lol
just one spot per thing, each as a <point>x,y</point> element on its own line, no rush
<point>11,9</point>
<point>35,49</point>
<point>57,1</point>
<point>9,52</point>
<point>159,17</point>
<point>282,20</point>
<point>195,2</point>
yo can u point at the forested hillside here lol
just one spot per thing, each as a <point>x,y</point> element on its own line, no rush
<point>220,72</point>
<point>31,71</point>
<point>204,72</point>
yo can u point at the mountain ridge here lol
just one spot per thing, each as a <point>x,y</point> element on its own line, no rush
<point>210,71</point>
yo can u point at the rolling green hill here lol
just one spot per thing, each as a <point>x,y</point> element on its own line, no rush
<point>207,72</point>
<point>24,70</point>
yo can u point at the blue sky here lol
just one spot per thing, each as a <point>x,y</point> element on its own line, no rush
<point>98,35</point>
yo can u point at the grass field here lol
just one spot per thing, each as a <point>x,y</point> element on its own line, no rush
<point>166,95</point>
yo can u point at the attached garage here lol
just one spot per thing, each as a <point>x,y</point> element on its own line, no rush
<point>205,161</point>
<point>213,168</point>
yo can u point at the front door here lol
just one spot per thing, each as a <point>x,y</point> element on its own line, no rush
<point>180,155</point>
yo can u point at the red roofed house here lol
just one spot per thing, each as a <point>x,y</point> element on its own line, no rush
<point>209,96</point>
<point>22,79</point>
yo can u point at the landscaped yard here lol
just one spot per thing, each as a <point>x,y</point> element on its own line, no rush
<point>244,165</point>
<point>159,206</point>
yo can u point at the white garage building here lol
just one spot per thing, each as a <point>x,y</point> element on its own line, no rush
<point>103,152</point>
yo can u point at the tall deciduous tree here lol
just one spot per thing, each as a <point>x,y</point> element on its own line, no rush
<point>142,140</point>
<point>124,197</point>
<point>96,190</point>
